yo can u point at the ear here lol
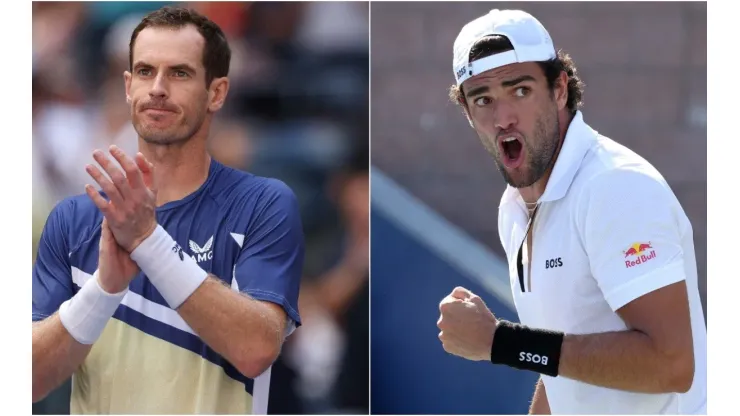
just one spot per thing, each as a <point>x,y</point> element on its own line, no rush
<point>560,90</point>
<point>127,83</point>
<point>217,93</point>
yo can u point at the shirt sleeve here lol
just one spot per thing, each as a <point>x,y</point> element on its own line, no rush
<point>630,223</point>
<point>270,265</point>
<point>52,272</point>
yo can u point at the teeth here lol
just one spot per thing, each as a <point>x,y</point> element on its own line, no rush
<point>509,139</point>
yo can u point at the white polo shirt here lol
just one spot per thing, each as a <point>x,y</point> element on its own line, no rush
<point>608,230</point>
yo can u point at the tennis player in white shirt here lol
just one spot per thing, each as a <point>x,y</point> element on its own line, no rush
<point>600,252</point>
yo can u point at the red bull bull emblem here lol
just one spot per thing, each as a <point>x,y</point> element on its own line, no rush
<point>638,253</point>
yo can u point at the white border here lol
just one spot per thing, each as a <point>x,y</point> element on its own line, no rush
<point>722,154</point>
<point>15,319</point>
<point>722,231</point>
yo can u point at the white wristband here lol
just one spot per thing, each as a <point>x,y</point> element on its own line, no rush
<point>175,274</point>
<point>86,313</point>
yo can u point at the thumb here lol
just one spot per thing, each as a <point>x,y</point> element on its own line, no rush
<point>462,293</point>
<point>104,233</point>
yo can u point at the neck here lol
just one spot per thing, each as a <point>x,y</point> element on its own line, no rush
<point>532,194</point>
<point>179,169</point>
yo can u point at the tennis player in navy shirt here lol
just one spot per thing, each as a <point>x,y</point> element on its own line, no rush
<point>171,288</point>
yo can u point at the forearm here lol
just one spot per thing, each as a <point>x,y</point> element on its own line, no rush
<point>540,405</point>
<point>627,360</point>
<point>55,356</point>
<point>248,333</point>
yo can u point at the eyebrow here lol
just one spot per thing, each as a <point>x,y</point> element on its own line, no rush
<point>183,67</point>
<point>178,67</point>
<point>515,81</point>
<point>478,91</point>
<point>508,83</point>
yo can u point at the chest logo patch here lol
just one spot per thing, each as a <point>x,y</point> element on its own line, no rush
<point>201,254</point>
<point>553,263</point>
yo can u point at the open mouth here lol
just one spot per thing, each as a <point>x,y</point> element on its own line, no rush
<point>512,151</point>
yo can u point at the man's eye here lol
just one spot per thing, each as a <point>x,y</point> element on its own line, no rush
<point>481,101</point>
<point>521,92</point>
<point>181,74</point>
<point>144,72</point>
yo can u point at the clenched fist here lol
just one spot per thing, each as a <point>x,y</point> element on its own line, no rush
<point>467,325</point>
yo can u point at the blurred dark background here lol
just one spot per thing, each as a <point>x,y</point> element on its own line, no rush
<point>297,111</point>
<point>645,69</point>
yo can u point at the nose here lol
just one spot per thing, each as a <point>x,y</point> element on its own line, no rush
<point>159,87</point>
<point>504,116</point>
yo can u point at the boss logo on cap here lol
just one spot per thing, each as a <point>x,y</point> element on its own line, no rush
<point>460,72</point>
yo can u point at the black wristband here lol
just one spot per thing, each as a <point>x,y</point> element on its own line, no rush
<point>525,348</point>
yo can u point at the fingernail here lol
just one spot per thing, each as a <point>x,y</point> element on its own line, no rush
<point>114,148</point>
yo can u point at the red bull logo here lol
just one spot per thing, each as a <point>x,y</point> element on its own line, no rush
<point>638,254</point>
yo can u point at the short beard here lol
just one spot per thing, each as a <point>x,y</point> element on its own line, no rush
<point>167,140</point>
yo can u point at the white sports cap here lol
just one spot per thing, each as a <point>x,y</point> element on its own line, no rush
<point>529,38</point>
